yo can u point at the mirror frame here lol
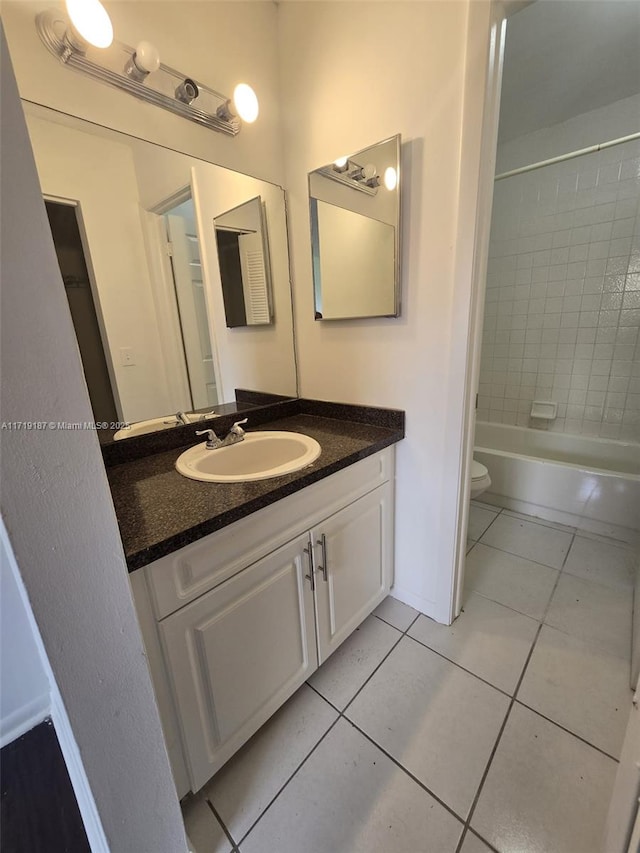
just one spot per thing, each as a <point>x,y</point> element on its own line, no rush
<point>397,265</point>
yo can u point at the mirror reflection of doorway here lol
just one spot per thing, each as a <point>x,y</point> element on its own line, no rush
<point>192,311</point>
<point>63,222</point>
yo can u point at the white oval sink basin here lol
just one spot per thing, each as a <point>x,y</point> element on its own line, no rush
<point>259,456</point>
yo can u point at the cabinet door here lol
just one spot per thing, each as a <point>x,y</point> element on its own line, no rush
<point>236,654</point>
<point>353,558</point>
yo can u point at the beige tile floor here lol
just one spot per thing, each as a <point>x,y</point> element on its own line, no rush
<point>500,732</point>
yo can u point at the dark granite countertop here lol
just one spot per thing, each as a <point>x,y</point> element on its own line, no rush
<point>159,510</point>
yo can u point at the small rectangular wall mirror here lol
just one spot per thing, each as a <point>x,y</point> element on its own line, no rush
<point>355,234</point>
<point>245,271</point>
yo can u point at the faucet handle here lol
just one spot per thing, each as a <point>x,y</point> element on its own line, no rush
<point>236,429</point>
<point>212,439</point>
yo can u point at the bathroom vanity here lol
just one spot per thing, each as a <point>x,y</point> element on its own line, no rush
<point>244,589</point>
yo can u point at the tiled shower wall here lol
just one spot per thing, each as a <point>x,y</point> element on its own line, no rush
<point>562,312</point>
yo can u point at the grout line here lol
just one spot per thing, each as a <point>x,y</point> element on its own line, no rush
<point>513,701</point>
<point>222,824</point>
<point>568,731</point>
<point>564,562</point>
<point>498,739</point>
<point>468,830</point>
<point>464,669</point>
<point>566,633</point>
<point>467,824</point>
<point>627,590</point>
<point>536,562</point>
<point>534,519</point>
<point>497,515</point>
<point>405,770</point>
<point>402,634</point>
<point>603,539</point>
<point>282,787</point>
<point>484,840</point>
<point>484,595</point>
<point>395,626</point>
<point>340,716</point>
<point>317,692</point>
<point>542,622</point>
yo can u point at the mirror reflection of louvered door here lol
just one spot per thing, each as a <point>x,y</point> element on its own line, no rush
<point>254,279</point>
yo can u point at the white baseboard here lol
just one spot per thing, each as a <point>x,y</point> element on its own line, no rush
<point>23,719</point>
<point>88,809</point>
<point>423,605</point>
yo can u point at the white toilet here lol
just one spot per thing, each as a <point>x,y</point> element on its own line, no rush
<point>480,479</point>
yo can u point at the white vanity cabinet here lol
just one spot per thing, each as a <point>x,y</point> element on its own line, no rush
<point>237,653</point>
<point>353,558</point>
<point>269,598</point>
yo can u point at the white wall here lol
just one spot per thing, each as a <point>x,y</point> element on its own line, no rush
<point>562,313</point>
<point>109,210</point>
<point>24,692</point>
<point>58,513</point>
<point>219,43</point>
<point>614,121</point>
<point>352,74</point>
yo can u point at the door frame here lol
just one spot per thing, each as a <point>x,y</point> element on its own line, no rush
<point>472,269</point>
<point>157,212</point>
<point>95,295</point>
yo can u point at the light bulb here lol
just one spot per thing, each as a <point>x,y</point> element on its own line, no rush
<point>147,57</point>
<point>91,20</point>
<point>390,178</point>
<point>369,171</point>
<point>142,62</point>
<point>341,162</point>
<point>245,102</point>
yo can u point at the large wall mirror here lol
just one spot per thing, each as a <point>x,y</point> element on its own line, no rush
<point>355,234</point>
<point>144,236</point>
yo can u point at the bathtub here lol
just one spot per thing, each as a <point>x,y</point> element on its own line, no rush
<point>589,483</point>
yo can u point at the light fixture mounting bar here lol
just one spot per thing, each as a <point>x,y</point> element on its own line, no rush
<point>159,88</point>
<point>344,179</point>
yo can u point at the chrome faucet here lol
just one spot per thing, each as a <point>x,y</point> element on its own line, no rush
<point>235,434</point>
<point>179,419</point>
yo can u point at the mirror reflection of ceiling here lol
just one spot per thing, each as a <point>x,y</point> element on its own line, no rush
<point>565,58</point>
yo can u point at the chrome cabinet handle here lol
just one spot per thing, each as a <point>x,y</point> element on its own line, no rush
<point>324,568</point>
<point>311,576</point>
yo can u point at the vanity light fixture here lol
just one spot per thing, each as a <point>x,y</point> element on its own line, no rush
<point>83,40</point>
<point>351,174</point>
<point>367,175</point>
<point>243,104</point>
<point>91,21</point>
<point>390,178</point>
<point>144,60</point>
